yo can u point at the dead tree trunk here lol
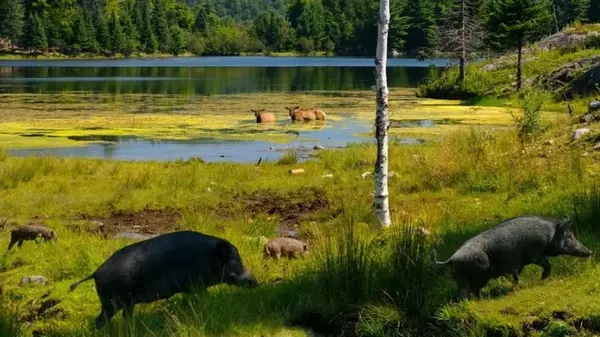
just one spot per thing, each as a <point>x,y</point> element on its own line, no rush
<point>382,206</point>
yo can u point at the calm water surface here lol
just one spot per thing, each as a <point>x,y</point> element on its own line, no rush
<point>206,76</point>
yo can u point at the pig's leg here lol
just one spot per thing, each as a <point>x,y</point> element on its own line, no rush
<point>11,244</point>
<point>516,274</point>
<point>128,308</point>
<point>20,243</point>
<point>108,311</point>
<point>544,263</point>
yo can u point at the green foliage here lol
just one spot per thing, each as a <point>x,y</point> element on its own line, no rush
<point>11,20</point>
<point>308,19</point>
<point>530,123</point>
<point>84,37</point>
<point>103,33</point>
<point>594,11</point>
<point>513,23</point>
<point>272,30</point>
<point>34,34</point>
<point>422,30</point>
<point>117,36</point>
<point>160,26</point>
<point>131,42</point>
<point>178,42</point>
<point>568,11</point>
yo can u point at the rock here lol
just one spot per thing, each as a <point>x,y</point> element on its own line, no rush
<point>594,106</point>
<point>291,132</point>
<point>597,147</point>
<point>327,176</point>
<point>319,147</point>
<point>579,133</point>
<point>222,156</point>
<point>296,171</point>
<point>366,174</point>
<point>133,236</point>
<point>587,118</point>
<point>34,279</point>
<point>549,142</point>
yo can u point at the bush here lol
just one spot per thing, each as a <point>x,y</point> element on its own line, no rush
<point>446,85</point>
<point>530,124</point>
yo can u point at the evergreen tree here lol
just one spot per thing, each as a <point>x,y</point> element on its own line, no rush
<point>271,29</point>
<point>177,41</point>
<point>399,24</point>
<point>308,19</point>
<point>11,20</point>
<point>103,34</point>
<point>53,33</point>
<point>204,17</point>
<point>34,34</point>
<point>148,40</point>
<point>513,23</point>
<point>132,38</point>
<point>117,36</point>
<point>566,12</point>
<point>422,29</point>
<point>161,27</point>
<point>84,39</point>
<point>594,11</point>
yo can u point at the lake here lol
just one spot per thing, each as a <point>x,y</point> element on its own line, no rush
<point>207,75</point>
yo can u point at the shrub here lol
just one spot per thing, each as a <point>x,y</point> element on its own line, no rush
<point>530,124</point>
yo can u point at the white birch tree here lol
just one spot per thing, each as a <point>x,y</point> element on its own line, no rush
<point>382,123</point>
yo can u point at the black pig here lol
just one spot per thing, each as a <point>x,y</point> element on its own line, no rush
<point>508,247</point>
<point>161,267</point>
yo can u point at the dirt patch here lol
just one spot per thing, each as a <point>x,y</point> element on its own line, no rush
<point>43,308</point>
<point>147,221</point>
<point>291,207</point>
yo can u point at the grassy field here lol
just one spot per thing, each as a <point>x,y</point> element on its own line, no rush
<point>356,282</point>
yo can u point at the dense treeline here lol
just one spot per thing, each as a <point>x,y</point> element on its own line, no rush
<point>219,27</point>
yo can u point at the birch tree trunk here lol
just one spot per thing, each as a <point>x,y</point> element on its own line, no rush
<point>382,206</point>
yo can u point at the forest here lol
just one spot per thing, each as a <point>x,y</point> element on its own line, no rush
<point>222,27</point>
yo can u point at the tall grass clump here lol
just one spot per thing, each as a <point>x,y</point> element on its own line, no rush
<point>346,265</point>
<point>586,208</point>
<point>412,277</point>
<point>290,157</point>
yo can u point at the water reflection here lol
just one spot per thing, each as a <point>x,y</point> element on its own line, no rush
<point>227,79</point>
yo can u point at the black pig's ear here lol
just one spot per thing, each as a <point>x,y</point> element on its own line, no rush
<point>223,250</point>
<point>564,224</point>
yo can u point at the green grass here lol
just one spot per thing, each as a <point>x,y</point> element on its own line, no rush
<point>355,280</point>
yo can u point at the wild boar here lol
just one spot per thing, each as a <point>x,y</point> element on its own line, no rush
<point>161,267</point>
<point>286,247</point>
<point>508,247</point>
<point>30,232</point>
